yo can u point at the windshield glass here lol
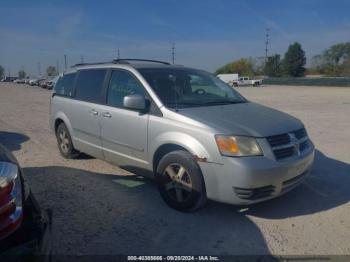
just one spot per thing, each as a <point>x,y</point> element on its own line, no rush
<point>180,87</point>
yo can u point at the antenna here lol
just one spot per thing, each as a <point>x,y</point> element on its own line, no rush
<point>173,52</point>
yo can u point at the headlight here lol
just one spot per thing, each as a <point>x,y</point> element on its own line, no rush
<point>238,146</point>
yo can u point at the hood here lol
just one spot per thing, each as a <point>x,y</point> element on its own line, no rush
<point>247,119</point>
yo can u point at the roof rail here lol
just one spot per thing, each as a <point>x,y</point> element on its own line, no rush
<point>122,61</point>
<point>97,63</point>
<point>126,60</point>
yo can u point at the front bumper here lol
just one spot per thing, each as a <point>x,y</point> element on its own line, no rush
<point>247,180</point>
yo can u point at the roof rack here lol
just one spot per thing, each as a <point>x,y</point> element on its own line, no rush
<point>123,61</point>
<point>126,60</point>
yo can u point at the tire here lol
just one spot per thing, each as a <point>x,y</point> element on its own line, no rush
<point>189,181</point>
<point>65,144</point>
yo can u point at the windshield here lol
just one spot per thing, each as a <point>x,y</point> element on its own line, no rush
<point>182,87</point>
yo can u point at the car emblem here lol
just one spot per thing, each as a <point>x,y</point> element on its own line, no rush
<point>295,141</point>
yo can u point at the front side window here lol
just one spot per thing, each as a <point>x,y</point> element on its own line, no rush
<point>89,85</point>
<point>121,84</point>
<point>189,88</point>
<point>65,85</point>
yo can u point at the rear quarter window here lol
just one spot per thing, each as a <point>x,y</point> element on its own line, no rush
<point>89,85</point>
<point>65,85</point>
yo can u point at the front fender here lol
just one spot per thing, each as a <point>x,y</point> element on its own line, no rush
<point>186,141</point>
<point>60,115</point>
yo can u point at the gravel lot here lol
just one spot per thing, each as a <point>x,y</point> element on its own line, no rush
<point>94,213</point>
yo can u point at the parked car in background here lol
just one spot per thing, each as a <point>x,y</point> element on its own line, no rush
<point>197,136</point>
<point>43,83</point>
<point>246,81</point>
<point>26,81</point>
<point>33,82</point>
<point>9,79</point>
<point>51,83</point>
<point>22,223</point>
<point>19,81</point>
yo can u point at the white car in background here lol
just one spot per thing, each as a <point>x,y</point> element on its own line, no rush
<point>51,83</point>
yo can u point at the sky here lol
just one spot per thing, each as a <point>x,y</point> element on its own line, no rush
<point>206,33</point>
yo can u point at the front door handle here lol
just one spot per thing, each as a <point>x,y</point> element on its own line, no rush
<point>94,112</point>
<point>106,115</point>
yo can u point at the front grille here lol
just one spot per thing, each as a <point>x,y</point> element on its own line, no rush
<point>289,144</point>
<point>278,140</point>
<point>254,193</point>
<point>284,152</point>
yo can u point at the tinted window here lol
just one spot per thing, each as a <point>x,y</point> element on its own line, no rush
<point>89,85</point>
<point>122,84</point>
<point>65,85</point>
<point>188,87</point>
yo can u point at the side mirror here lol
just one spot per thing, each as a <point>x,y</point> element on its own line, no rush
<point>135,102</point>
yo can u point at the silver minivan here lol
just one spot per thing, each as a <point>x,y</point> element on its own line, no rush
<point>198,137</point>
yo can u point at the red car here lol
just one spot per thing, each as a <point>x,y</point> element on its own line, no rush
<point>22,223</point>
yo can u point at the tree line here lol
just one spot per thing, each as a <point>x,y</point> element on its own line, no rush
<point>334,61</point>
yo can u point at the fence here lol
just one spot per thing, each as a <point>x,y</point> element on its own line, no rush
<point>303,81</point>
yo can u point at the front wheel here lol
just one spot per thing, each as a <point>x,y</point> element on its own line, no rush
<point>180,181</point>
<point>64,141</point>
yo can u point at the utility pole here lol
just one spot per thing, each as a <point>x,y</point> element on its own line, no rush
<point>65,62</point>
<point>82,59</point>
<point>173,52</point>
<point>9,71</point>
<point>39,69</point>
<point>118,53</point>
<point>267,41</point>
<point>58,67</point>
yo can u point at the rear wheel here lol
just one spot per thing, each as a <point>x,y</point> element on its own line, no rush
<point>180,181</point>
<point>64,142</point>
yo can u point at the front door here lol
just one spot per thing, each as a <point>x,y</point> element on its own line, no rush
<point>124,131</point>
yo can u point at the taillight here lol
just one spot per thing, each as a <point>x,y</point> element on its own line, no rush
<point>11,202</point>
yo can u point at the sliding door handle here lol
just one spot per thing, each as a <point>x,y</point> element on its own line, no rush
<point>106,115</point>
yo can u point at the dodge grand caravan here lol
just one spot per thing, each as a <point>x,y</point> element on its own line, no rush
<point>197,136</point>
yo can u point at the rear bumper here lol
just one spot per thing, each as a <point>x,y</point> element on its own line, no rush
<point>28,239</point>
<point>244,181</point>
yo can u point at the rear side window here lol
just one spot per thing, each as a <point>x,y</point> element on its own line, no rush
<point>89,85</point>
<point>65,85</point>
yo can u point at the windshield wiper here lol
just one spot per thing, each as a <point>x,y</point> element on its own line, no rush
<point>224,102</point>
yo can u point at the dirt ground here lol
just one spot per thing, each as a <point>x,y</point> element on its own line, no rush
<point>97,209</point>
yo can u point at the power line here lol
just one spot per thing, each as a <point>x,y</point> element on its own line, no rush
<point>173,52</point>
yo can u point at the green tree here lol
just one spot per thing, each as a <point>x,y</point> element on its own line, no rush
<point>51,71</point>
<point>294,61</point>
<point>273,66</point>
<point>22,74</point>
<point>1,72</point>
<point>338,53</point>
<point>242,67</point>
